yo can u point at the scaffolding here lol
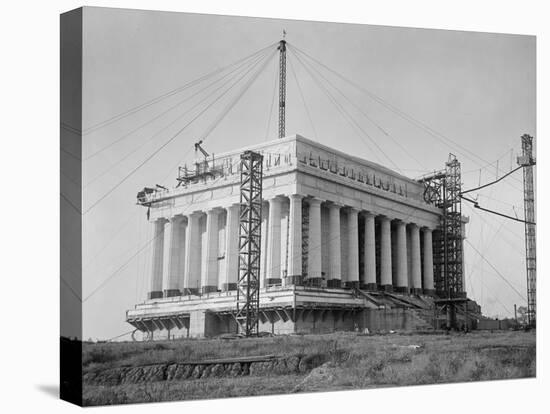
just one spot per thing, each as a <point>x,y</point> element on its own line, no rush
<point>250,234</point>
<point>527,161</point>
<point>305,240</point>
<point>282,87</point>
<point>443,189</point>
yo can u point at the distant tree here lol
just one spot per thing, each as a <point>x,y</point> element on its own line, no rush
<point>522,315</point>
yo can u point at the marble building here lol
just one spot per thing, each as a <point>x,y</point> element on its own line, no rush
<point>343,239</point>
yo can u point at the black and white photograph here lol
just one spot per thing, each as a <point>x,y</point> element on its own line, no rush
<point>262,206</point>
<point>272,206</point>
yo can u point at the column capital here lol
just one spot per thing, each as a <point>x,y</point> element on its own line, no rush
<point>426,229</point>
<point>230,206</point>
<point>314,201</point>
<point>353,210</point>
<point>214,210</point>
<point>275,199</point>
<point>334,204</point>
<point>295,196</point>
<point>177,218</point>
<point>368,213</point>
<point>384,217</point>
<point>194,214</point>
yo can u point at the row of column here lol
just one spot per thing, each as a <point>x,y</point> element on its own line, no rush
<point>193,258</point>
<point>190,270</point>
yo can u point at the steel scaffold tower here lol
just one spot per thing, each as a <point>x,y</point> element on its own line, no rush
<point>250,226</point>
<point>528,161</point>
<point>443,189</point>
<point>282,87</point>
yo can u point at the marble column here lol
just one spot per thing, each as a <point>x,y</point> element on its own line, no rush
<point>401,245</point>
<point>370,253</point>
<point>314,267</point>
<point>155,289</point>
<point>335,254</point>
<point>210,273</point>
<point>230,278</point>
<point>273,274</point>
<point>428,262</point>
<point>295,240</point>
<point>352,280</point>
<point>416,265</point>
<point>176,257</point>
<point>192,279</point>
<point>385,254</point>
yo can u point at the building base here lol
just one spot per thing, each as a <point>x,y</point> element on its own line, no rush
<point>156,294</point>
<point>171,292</point>
<point>229,286</point>
<point>401,289</point>
<point>273,281</point>
<point>386,288</point>
<point>287,310</point>
<point>314,281</point>
<point>352,285</point>
<point>416,291</point>
<point>294,280</point>
<point>208,289</point>
<point>371,287</point>
<point>429,292</point>
<point>334,283</point>
<point>191,291</point>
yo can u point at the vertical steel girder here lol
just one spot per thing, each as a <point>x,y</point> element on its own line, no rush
<point>282,87</point>
<point>528,161</point>
<point>250,225</point>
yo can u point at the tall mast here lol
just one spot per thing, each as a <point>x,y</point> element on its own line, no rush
<point>528,161</point>
<point>282,85</point>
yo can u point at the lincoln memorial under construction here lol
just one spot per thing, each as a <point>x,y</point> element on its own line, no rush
<point>346,244</point>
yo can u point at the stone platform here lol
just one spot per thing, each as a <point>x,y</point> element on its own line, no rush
<point>283,310</point>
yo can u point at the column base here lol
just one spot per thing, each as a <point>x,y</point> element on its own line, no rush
<point>416,291</point>
<point>156,294</point>
<point>314,281</point>
<point>334,283</point>
<point>352,285</point>
<point>229,286</point>
<point>168,293</point>
<point>294,280</point>
<point>401,289</point>
<point>273,281</point>
<point>371,287</point>
<point>386,288</point>
<point>429,292</point>
<point>208,289</point>
<point>190,291</point>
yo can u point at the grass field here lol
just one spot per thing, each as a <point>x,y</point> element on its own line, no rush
<point>345,361</point>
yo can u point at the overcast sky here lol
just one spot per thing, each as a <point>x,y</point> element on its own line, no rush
<point>476,89</point>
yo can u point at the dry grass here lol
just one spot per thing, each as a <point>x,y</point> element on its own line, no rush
<point>354,361</point>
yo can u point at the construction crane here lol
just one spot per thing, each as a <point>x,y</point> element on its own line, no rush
<point>527,161</point>
<point>282,84</point>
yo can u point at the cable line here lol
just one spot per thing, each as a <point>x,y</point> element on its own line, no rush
<point>349,117</point>
<point>476,205</point>
<point>167,94</point>
<point>157,150</point>
<point>230,106</point>
<point>396,110</point>
<point>496,270</point>
<point>302,96</point>
<point>179,103</point>
<point>492,182</point>
<point>368,117</point>
<point>156,134</point>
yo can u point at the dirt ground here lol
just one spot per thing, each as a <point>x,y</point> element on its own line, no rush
<point>132,372</point>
